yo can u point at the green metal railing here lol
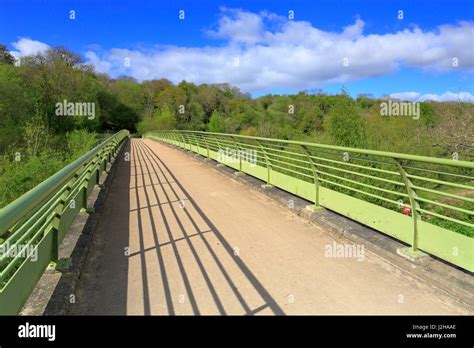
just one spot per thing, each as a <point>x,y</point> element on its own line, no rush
<point>425,202</point>
<point>33,226</point>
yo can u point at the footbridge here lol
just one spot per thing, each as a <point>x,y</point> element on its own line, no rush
<point>181,233</point>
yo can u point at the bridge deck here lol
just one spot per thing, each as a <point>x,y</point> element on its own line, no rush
<point>200,243</point>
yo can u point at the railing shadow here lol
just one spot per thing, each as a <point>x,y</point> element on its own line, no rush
<point>165,190</point>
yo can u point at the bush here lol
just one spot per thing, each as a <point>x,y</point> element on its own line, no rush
<point>20,176</point>
<point>161,120</point>
<point>79,142</point>
<point>345,125</point>
<point>251,131</point>
<point>216,123</point>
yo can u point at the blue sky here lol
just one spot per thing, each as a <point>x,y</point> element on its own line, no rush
<point>254,45</point>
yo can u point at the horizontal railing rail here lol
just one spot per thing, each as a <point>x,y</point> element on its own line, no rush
<point>423,201</point>
<point>33,226</point>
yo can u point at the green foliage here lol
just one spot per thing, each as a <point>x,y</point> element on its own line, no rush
<point>161,120</point>
<point>35,135</point>
<point>165,120</point>
<point>23,168</point>
<point>365,102</point>
<point>251,131</point>
<point>79,142</point>
<point>427,116</point>
<point>193,118</point>
<point>19,177</point>
<point>216,123</point>
<point>29,124</point>
<point>5,56</point>
<point>345,125</point>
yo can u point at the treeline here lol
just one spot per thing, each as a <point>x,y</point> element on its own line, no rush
<point>30,124</point>
<point>440,130</point>
<point>35,142</point>
<point>29,93</point>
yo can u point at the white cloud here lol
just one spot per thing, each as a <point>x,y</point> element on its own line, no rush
<point>354,30</point>
<point>264,51</point>
<point>26,46</point>
<point>100,65</point>
<point>410,96</point>
<point>294,54</point>
<point>239,26</point>
<point>447,96</point>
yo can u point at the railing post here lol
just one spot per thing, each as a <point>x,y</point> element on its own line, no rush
<point>315,174</point>
<point>188,141</point>
<point>55,240</point>
<point>56,224</point>
<point>197,142</point>
<point>238,154</point>
<point>207,145</point>
<point>84,194</point>
<point>414,205</point>
<point>175,139</point>
<point>218,151</point>
<point>84,188</point>
<point>183,141</point>
<point>268,164</point>
<point>98,171</point>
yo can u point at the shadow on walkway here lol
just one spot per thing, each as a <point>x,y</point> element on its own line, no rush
<point>155,251</point>
<point>174,219</point>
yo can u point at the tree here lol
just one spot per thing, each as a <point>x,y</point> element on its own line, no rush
<point>62,53</point>
<point>18,103</point>
<point>427,115</point>
<point>165,120</point>
<point>345,125</point>
<point>192,118</point>
<point>251,131</point>
<point>35,134</point>
<point>216,123</point>
<point>210,98</point>
<point>150,90</point>
<point>456,127</point>
<point>130,96</point>
<point>5,56</point>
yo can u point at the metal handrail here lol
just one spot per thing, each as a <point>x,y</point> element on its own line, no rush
<point>413,188</point>
<point>417,158</point>
<point>13,212</point>
<point>37,221</point>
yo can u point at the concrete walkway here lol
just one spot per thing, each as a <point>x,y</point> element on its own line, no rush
<point>180,238</point>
